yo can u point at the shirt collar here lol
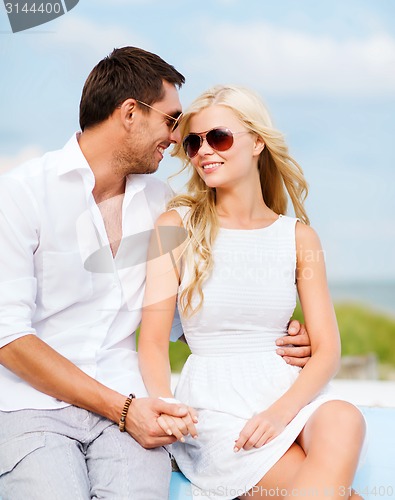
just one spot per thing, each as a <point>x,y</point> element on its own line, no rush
<point>72,158</point>
<point>135,183</point>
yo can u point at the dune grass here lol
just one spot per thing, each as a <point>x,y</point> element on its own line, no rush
<point>363,331</point>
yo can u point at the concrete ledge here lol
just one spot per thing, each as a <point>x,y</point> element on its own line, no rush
<point>376,476</point>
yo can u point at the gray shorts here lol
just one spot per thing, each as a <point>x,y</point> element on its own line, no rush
<point>75,454</point>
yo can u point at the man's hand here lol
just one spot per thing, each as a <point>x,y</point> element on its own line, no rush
<point>295,347</point>
<point>142,424</point>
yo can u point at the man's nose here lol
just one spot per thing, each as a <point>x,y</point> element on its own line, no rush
<point>175,136</point>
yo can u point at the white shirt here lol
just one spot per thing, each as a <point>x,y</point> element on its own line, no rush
<point>58,278</point>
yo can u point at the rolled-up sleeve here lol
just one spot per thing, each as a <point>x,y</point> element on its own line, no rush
<point>19,239</point>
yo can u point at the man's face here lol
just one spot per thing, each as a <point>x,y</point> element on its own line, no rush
<point>151,134</point>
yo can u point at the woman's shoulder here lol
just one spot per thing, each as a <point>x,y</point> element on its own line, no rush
<point>171,217</point>
<point>170,231</point>
<point>306,237</point>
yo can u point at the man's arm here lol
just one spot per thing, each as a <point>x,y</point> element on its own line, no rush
<point>26,355</point>
<point>49,372</point>
<point>295,347</point>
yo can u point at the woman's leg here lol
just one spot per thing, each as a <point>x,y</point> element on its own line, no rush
<point>323,463</point>
<point>332,440</point>
<point>276,481</point>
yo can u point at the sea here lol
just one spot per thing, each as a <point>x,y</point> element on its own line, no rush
<point>377,295</point>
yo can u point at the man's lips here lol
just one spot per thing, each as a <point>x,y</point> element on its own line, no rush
<point>161,150</point>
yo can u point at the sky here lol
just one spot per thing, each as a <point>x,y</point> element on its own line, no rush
<point>325,69</point>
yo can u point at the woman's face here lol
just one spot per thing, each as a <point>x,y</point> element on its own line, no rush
<point>224,169</point>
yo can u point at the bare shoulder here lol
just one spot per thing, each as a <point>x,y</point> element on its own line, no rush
<point>306,237</point>
<point>169,218</point>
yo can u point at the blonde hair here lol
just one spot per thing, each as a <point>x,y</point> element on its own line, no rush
<point>280,177</point>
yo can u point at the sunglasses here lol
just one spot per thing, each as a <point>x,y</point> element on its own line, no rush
<point>219,139</point>
<point>175,119</point>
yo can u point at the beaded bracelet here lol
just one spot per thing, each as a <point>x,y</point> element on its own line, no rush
<point>125,409</point>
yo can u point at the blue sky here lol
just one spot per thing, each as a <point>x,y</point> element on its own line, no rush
<point>326,70</point>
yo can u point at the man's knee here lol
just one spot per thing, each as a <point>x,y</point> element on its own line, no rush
<point>119,467</point>
<point>42,466</point>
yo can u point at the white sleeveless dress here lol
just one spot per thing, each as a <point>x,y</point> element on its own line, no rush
<point>233,371</point>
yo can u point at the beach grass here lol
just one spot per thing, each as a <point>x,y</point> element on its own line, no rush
<point>364,331</point>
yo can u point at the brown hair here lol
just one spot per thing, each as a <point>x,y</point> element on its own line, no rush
<point>127,72</point>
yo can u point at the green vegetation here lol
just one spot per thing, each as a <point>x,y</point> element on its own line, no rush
<point>362,330</point>
<point>179,351</point>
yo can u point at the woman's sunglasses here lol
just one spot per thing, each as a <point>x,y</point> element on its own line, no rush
<point>220,139</point>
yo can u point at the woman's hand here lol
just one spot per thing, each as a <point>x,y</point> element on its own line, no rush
<point>179,426</point>
<point>260,429</point>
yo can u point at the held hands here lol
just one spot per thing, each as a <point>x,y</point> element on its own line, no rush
<point>180,426</point>
<point>295,348</point>
<point>142,421</point>
<point>259,430</point>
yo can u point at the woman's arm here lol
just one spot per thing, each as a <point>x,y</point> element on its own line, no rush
<point>163,272</point>
<point>321,324</point>
<point>159,304</point>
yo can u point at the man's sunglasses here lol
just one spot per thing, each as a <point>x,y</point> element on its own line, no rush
<point>175,119</point>
<point>220,139</point>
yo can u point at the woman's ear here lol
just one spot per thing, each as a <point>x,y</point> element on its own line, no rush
<point>259,145</point>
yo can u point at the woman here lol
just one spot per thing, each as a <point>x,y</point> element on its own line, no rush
<point>262,427</point>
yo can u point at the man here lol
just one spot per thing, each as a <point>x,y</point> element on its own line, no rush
<point>73,232</point>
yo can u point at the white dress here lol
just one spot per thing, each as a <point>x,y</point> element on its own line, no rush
<point>233,371</point>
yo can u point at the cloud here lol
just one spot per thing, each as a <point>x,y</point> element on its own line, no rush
<point>284,61</point>
<point>8,162</point>
<point>91,41</point>
<point>127,3</point>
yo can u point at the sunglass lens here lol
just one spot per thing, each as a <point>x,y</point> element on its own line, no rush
<point>176,123</point>
<point>220,139</point>
<point>191,144</point>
